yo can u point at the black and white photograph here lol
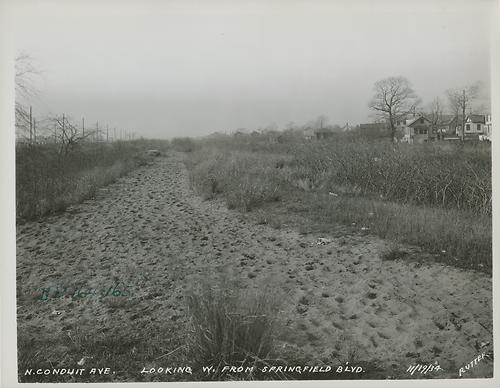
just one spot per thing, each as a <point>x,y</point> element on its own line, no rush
<point>235,191</point>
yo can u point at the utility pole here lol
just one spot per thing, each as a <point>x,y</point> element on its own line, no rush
<point>31,126</point>
<point>96,137</point>
<point>107,133</point>
<point>34,130</point>
<point>83,127</point>
<point>463,115</point>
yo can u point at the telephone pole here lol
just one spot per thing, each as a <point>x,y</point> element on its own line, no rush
<point>31,125</point>
<point>463,115</point>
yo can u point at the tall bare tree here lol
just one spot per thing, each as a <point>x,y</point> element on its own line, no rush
<point>25,74</point>
<point>460,101</point>
<point>435,113</point>
<point>66,134</point>
<point>393,100</point>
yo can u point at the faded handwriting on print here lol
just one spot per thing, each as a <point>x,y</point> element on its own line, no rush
<point>79,292</point>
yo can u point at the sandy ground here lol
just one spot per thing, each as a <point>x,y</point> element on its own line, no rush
<point>150,232</point>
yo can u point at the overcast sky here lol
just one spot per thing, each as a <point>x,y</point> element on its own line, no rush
<point>168,68</point>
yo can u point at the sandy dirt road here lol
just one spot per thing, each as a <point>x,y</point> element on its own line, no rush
<point>151,235</point>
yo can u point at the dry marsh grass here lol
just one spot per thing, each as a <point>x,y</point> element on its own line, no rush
<point>230,326</point>
<point>436,196</point>
<point>47,181</point>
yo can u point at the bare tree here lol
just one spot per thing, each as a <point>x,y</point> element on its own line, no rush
<point>25,74</point>
<point>435,113</point>
<point>66,134</point>
<point>460,101</point>
<point>394,99</point>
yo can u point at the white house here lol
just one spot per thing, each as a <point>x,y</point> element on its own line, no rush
<point>476,126</point>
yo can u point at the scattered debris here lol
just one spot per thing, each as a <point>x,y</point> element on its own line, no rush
<point>323,241</point>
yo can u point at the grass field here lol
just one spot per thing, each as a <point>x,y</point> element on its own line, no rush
<point>48,180</point>
<point>436,196</point>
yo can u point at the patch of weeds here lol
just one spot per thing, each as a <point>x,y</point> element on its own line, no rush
<point>230,327</point>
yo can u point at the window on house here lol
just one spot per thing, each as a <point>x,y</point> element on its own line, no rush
<point>479,127</point>
<point>467,127</point>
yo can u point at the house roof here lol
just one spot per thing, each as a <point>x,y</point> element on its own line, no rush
<point>346,127</point>
<point>476,119</point>
<point>414,120</point>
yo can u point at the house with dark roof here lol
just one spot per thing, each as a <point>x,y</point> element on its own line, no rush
<point>446,126</point>
<point>475,125</point>
<point>419,129</point>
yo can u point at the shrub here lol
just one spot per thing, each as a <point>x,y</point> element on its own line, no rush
<point>229,326</point>
<point>437,196</point>
<point>245,180</point>
<point>47,181</point>
<point>183,144</point>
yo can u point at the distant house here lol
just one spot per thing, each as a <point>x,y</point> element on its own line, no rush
<point>346,128</point>
<point>446,126</point>
<point>474,126</point>
<point>323,133</point>
<point>487,129</point>
<point>400,124</point>
<point>419,130</point>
